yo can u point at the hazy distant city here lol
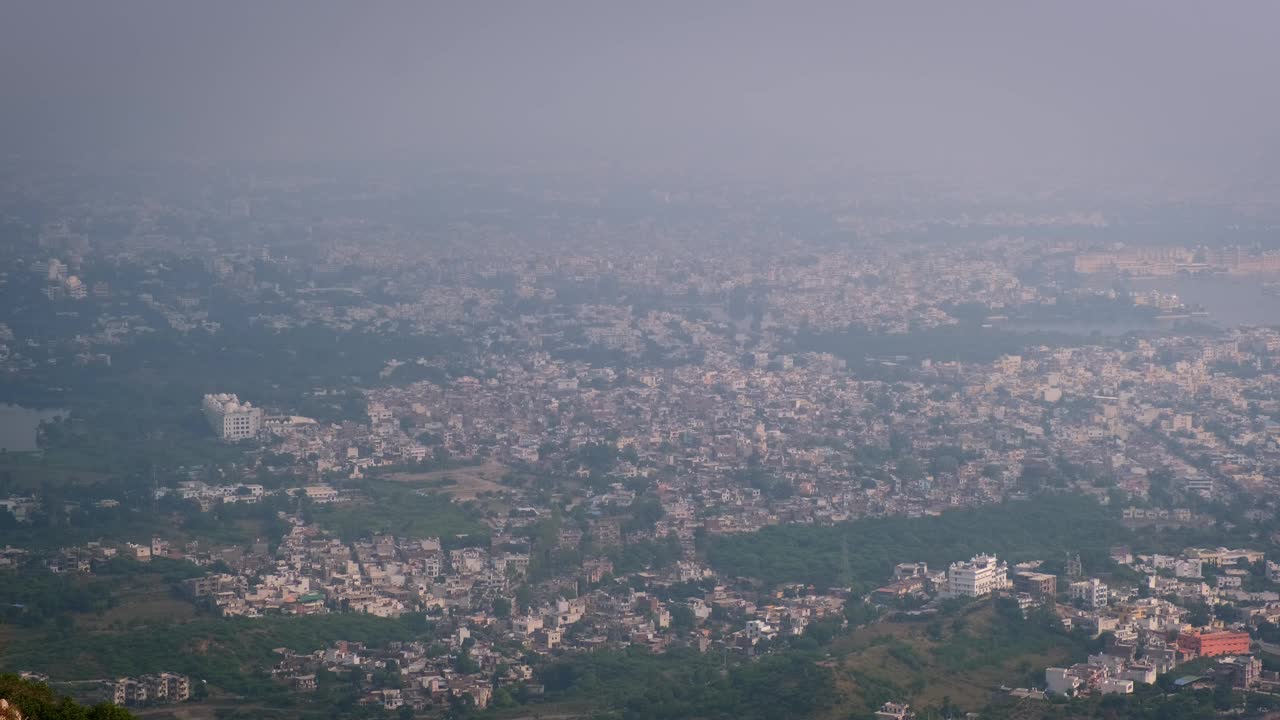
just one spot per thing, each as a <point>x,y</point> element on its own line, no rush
<point>536,380</point>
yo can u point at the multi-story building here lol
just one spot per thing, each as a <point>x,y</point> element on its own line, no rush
<point>1092,592</point>
<point>128,691</point>
<point>1036,584</point>
<point>213,584</point>
<point>170,687</point>
<point>163,688</point>
<point>980,576</point>
<point>1061,681</point>
<point>1214,644</point>
<point>1273,572</point>
<point>76,289</point>
<point>230,418</point>
<point>1242,670</point>
<point>607,532</point>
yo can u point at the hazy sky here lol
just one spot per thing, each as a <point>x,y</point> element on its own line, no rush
<point>1078,88</point>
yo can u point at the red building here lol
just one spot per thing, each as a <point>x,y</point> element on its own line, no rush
<point>1213,644</point>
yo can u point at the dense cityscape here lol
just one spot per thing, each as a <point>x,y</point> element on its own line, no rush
<point>639,361</point>
<point>527,463</point>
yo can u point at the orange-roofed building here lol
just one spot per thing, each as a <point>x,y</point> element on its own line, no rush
<point>1214,644</point>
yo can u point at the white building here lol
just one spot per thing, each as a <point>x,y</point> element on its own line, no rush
<point>1141,673</point>
<point>910,570</point>
<point>230,418</point>
<point>76,289</point>
<point>20,507</point>
<point>1188,569</point>
<point>1273,572</point>
<point>320,494</point>
<point>758,630</point>
<point>894,711</point>
<point>1061,681</point>
<point>980,576</point>
<point>1115,686</point>
<point>527,624</point>
<point>1093,593</point>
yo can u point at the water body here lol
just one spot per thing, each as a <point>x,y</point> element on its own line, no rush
<point>1113,328</point>
<point>18,426</point>
<point>1230,301</point>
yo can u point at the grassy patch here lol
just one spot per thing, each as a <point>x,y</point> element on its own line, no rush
<point>397,509</point>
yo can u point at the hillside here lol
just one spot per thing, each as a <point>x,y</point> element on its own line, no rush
<point>37,702</point>
<point>230,654</point>
<point>956,660</point>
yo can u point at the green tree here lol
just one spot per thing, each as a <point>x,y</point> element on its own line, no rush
<point>502,607</point>
<point>682,617</point>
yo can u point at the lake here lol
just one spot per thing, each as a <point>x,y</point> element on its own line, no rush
<point>1230,301</point>
<point>1085,327</point>
<point>18,426</point>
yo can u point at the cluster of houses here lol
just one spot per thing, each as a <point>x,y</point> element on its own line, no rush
<point>314,573</point>
<point>538,411</point>
<point>209,496</point>
<point>1148,632</point>
<point>425,676</point>
<point>1116,672</point>
<point>83,558</point>
<point>23,508</point>
<point>475,647</point>
<point>1146,627</point>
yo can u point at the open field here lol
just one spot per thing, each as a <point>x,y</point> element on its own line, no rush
<point>148,605</point>
<point>467,482</point>
<point>397,509</point>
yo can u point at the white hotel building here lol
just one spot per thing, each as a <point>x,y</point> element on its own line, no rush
<point>980,576</point>
<point>230,418</point>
